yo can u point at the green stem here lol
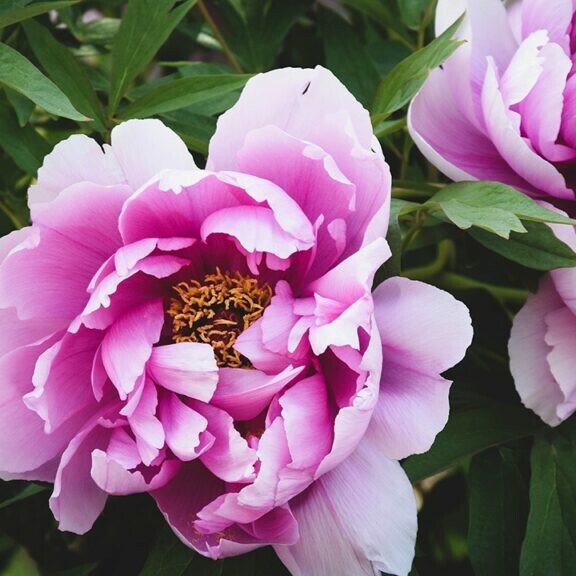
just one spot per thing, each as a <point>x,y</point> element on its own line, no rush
<point>429,272</point>
<point>11,215</point>
<point>454,281</point>
<point>218,35</point>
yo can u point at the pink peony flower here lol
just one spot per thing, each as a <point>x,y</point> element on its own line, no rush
<point>542,343</point>
<point>503,107</point>
<point>210,336</point>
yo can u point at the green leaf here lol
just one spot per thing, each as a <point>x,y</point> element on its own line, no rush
<point>196,130</point>
<point>21,564</point>
<point>412,12</point>
<point>536,248</point>
<point>347,57</point>
<point>18,73</point>
<point>65,71</point>
<point>22,106</point>
<point>406,78</point>
<point>30,490</point>
<point>550,543</point>
<point>146,25</point>
<point>170,557</point>
<point>12,15</point>
<point>255,29</point>
<point>491,206</point>
<point>498,511</point>
<point>469,432</point>
<point>183,92</point>
<point>24,145</point>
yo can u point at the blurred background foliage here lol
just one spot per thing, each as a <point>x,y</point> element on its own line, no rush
<point>498,489</point>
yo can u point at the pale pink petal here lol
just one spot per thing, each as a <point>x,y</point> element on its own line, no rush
<point>76,159</point>
<point>555,16</point>
<point>188,368</point>
<point>110,476</point>
<point>359,517</point>
<point>143,148</point>
<point>127,346</point>
<point>529,351</point>
<point>421,327</point>
<point>412,408</point>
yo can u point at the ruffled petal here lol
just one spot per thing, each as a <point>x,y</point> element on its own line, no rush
<point>359,517</point>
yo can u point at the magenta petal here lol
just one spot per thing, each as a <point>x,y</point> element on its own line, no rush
<point>188,368</point>
<point>245,393</point>
<point>230,458</point>
<point>182,426</point>
<point>127,346</point>
<point>62,379</point>
<point>307,420</point>
<point>23,444</point>
<point>357,518</point>
<point>77,501</point>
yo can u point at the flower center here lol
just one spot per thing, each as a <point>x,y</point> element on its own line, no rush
<point>216,311</point>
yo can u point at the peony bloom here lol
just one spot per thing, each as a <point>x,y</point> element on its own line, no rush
<point>210,336</point>
<point>503,107</point>
<point>542,343</point>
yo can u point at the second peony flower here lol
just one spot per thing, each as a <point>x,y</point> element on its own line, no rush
<point>211,336</point>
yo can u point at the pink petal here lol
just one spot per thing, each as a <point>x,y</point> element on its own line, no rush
<point>143,148</point>
<point>230,458</point>
<point>359,517</point>
<point>529,351</point>
<point>127,346</point>
<point>421,327</point>
<point>23,444</point>
<point>554,16</point>
<point>110,476</point>
<point>62,379</point>
<point>188,368</point>
<point>412,408</point>
<point>308,422</point>
<point>77,501</point>
<point>76,159</point>
<point>246,393</point>
<point>182,426</point>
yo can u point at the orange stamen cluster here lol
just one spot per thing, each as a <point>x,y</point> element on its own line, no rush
<point>216,311</point>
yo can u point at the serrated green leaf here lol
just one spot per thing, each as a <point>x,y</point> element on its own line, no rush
<point>407,77</point>
<point>469,432</point>
<point>491,206</point>
<point>183,92</point>
<point>65,71</point>
<point>550,543</point>
<point>498,511</point>
<point>146,25</point>
<point>18,73</point>
<point>23,144</point>
<point>536,248</point>
<point>12,15</point>
<point>347,57</point>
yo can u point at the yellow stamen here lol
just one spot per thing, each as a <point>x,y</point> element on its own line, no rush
<point>216,311</point>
